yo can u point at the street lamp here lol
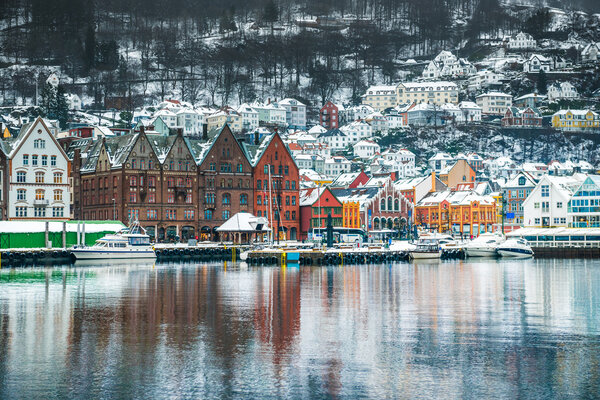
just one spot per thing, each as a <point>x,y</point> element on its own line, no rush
<point>114,209</point>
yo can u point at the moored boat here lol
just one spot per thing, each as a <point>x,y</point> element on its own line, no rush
<point>516,248</point>
<point>484,246</point>
<point>129,243</point>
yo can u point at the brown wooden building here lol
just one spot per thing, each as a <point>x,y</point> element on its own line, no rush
<point>150,178</point>
<point>225,180</point>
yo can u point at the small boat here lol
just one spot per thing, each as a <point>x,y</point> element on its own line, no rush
<point>426,251</point>
<point>429,246</point>
<point>484,246</point>
<point>129,243</point>
<point>517,248</point>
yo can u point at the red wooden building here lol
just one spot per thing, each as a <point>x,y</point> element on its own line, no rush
<point>315,206</point>
<point>329,116</point>
<point>276,187</point>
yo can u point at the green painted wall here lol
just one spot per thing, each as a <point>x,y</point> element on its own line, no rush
<point>20,240</point>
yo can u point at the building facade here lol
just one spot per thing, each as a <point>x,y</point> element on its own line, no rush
<point>37,176</point>
<point>277,188</point>
<point>329,116</point>
<point>225,183</point>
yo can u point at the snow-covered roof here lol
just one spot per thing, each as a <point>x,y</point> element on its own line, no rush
<point>309,196</point>
<point>244,222</point>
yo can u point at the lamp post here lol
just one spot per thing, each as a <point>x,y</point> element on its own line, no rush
<point>114,209</point>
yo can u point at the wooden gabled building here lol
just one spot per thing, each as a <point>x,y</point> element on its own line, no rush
<point>150,178</point>
<point>225,183</point>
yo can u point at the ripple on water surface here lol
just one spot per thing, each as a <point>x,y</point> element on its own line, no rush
<point>453,329</point>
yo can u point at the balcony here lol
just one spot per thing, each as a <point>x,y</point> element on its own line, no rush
<point>41,203</point>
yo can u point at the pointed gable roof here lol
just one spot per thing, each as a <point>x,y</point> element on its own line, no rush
<point>26,131</point>
<point>225,130</point>
<point>265,145</point>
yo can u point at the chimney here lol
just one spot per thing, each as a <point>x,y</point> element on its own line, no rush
<point>269,100</point>
<point>141,128</point>
<point>205,131</point>
<point>432,181</point>
<point>256,137</point>
<point>180,131</point>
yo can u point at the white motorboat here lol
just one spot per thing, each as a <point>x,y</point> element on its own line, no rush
<point>484,246</point>
<point>129,243</point>
<point>430,246</point>
<point>517,248</point>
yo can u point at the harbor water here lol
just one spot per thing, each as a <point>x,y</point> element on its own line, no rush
<point>458,329</point>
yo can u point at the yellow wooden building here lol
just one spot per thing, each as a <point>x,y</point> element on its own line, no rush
<point>458,211</point>
<point>575,120</point>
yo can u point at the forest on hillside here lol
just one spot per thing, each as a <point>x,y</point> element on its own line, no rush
<point>234,51</point>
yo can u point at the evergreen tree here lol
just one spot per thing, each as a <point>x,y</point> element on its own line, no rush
<point>48,102</point>
<point>89,56</point>
<point>542,82</point>
<point>271,13</point>
<point>62,107</point>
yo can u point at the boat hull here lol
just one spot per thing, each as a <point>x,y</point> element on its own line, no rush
<point>424,255</point>
<point>481,252</point>
<point>515,253</point>
<point>125,254</point>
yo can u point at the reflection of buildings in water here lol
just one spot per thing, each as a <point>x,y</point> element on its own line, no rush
<point>277,312</point>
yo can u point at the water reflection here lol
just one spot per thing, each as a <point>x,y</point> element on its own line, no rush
<point>505,329</point>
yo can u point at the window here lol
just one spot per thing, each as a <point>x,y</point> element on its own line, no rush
<point>293,215</point>
<point>293,200</point>
<point>21,194</point>
<point>39,177</point>
<point>133,214</point>
<point>39,211</point>
<point>225,215</point>
<point>171,214</point>
<point>151,197</point>
<point>58,177</point>
<point>293,184</point>
<point>226,199</point>
<point>287,170</point>
<point>39,144</point>
<point>40,194</point>
<point>537,221</point>
<point>287,215</point>
<point>34,160</point>
<point>151,214</point>
<point>521,181</point>
<point>559,204</point>
<point>212,166</point>
<point>44,161</point>
<point>151,181</point>
<point>240,168</point>
<point>536,205</point>
<point>132,181</point>
<point>545,191</point>
<point>21,177</point>
<point>208,215</point>
<point>170,198</point>
<point>133,163</point>
<point>287,200</point>
<point>58,195</point>
<point>243,199</point>
<point>25,159</point>
<point>382,206</point>
<point>280,170</point>
<point>21,211</point>
<point>287,185</point>
<point>188,214</point>
<point>58,212</point>
<point>258,184</point>
<point>266,169</point>
<point>259,200</point>
<point>276,155</point>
